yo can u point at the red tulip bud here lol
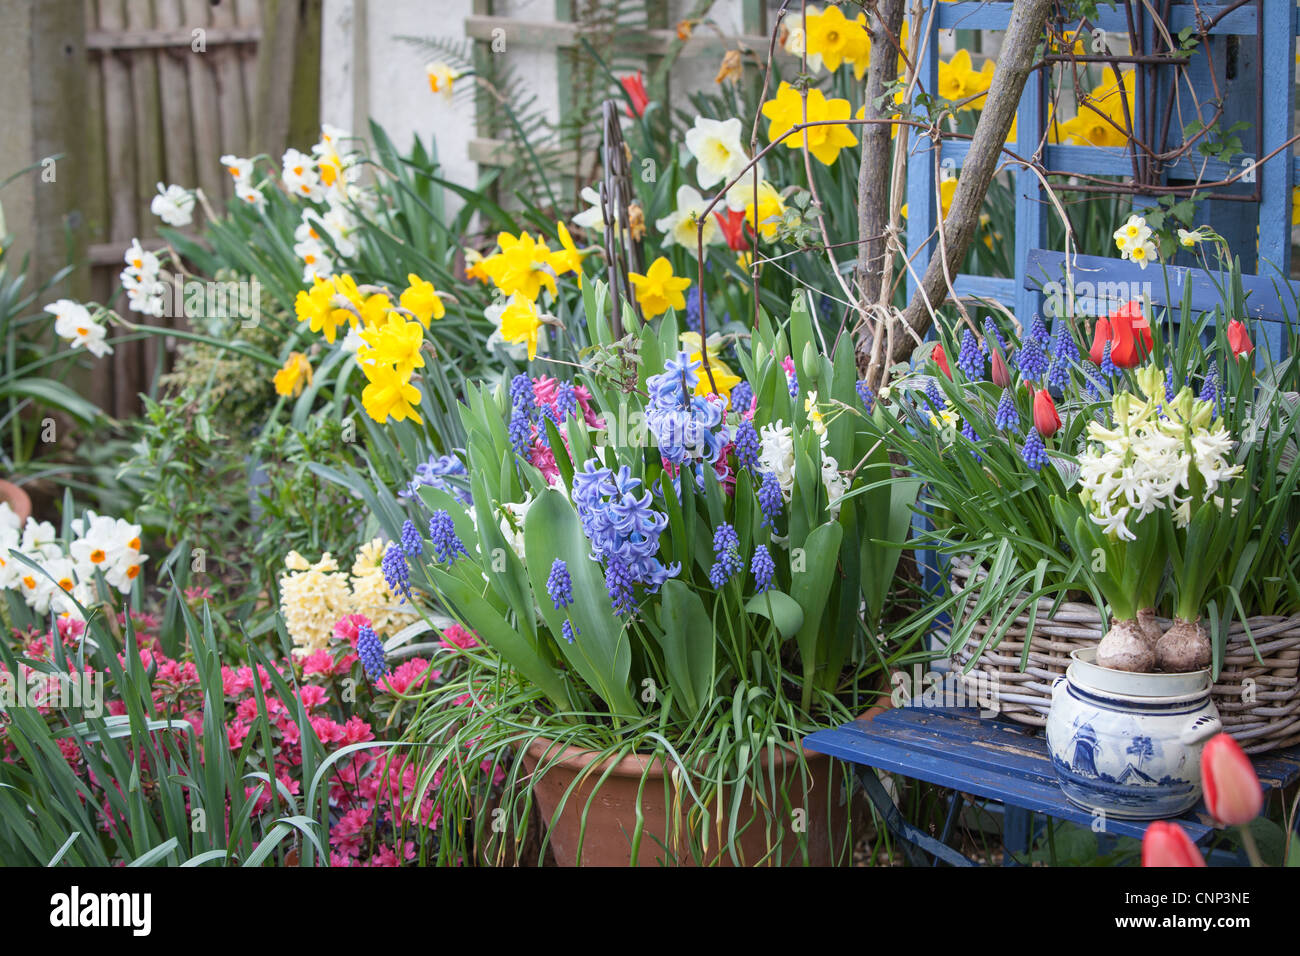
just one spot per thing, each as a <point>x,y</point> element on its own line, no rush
<point>1232,791</point>
<point>634,85</point>
<point>1239,338</point>
<point>1001,377</point>
<point>942,359</point>
<point>1046,418</point>
<point>1167,844</point>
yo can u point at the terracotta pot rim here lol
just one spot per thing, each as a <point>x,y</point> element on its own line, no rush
<point>18,499</point>
<point>576,757</point>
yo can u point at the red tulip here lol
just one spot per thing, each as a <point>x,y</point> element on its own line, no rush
<point>1100,336</point>
<point>634,86</point>
<point>1046,418</point>
<point>1232,791</point>
<point>1166,844</point>
<point>1131,336</point>
<point>1239,338</point>
<point>1001,377</point>
<point>941,358</point>
<point>732,224</point>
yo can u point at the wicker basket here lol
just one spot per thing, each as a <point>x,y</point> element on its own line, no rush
<point>1258,703</point>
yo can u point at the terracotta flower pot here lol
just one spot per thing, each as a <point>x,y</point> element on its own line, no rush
<point>17,500</point>
<point>611,819</point>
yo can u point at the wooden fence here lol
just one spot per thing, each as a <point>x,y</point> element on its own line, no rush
<point>160,89</point>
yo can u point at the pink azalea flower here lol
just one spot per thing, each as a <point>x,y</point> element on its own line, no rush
<point>456,636</point>
<point>347,627</point>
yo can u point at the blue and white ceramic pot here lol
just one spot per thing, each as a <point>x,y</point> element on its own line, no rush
<point>1127,744</point>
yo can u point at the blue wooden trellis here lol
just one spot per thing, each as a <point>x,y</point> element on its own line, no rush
<point>1276,176</point>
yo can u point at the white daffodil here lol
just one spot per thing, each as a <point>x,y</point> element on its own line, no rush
<point>590,218</point>
<point>254,197</point>
<point>73,321</point>
<point>174,205</point>
<point>240,170</point>
<point>1135,231</point>
<point>300,176</point>
<point>681,224</point>
<point>715,144</point>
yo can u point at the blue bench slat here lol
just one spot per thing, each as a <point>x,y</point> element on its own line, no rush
<point>1008,787</point>
<point>995,760</point>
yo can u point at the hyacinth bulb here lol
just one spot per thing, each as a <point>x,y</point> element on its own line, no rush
<point>1151,629</point>
<point>1184,647</point>
<point>1125,648</point>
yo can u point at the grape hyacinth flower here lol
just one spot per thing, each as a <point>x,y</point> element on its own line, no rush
<point>867,396</point>
<point>992,332</point>
<point>412,543</point>
<point>1035,452</point>
<point>1210,391</point>
<point>763,569</point>
<point>1038,331</point>
<point>1007,417</point>
<point>970,359</point>
<point>520,430</point>
<point>569,630</point>
<point>370,650</point>
<point>1031,360</point>
<point>566,401</point>
<point>968,432</point>
<point>396,573</point>
<point>726,553</point>
<point>742,397</point>
<point>1108,368</point>
<point>559,585</point>
<point>618,582</point>
<point>1064,346</point>
<point>521,393</point>
<point>1058,374</point>
<point>442,533</point>
<point>1169,383</point>
<point>770,500</point>
<point>934,397</point>
<point>747,445</point>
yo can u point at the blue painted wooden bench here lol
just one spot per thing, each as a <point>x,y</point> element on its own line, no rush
<point>988,760</point>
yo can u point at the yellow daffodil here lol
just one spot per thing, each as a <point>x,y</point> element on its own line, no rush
<point>770,210</point>
<point>520,266</point>
<point>422,300</point>
<point>315,307</point>
<point>958,81</point>
<point>375,309</point>
<point>397,343</point>
<point>293,376</point>
<point>836,39</point>
<point>569,257</point>
<point>521,323</point>
<point>723,377</point>
<point>947,189</point>
<point>1102,121</point>
<point>474,266</point>
<point>659,290</point>
<point>389,395</point>
<point>1295,206</point>
<point>824,142</point>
